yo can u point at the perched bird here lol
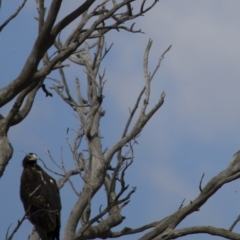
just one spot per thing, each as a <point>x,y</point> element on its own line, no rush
<point>41,199</point>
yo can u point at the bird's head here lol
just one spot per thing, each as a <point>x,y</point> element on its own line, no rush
<point>30,158</point>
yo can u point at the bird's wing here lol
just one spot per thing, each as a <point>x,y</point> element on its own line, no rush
<point>52,196</point>
<point>32,190</point>
<point>52,191</point>
<point>37,198</point>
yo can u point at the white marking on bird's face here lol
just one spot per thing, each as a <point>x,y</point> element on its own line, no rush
<point>32,156</point>
<point>51,181</point>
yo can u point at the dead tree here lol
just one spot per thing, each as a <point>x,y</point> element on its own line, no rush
<point>85,46</point>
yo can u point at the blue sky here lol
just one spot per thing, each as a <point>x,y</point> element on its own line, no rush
<point>196,130</point>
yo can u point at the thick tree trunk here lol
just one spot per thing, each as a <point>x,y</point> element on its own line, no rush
<point>6,152</point>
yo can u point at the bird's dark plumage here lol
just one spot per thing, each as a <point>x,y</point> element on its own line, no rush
<point>40,197</point>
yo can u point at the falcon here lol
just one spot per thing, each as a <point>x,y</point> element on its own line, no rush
<point>41,199</point>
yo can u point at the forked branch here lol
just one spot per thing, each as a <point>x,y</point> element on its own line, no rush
<point>165,229</point>
<point>10,237</point>
<point>143,117</point>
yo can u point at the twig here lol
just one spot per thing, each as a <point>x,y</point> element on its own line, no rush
<point>65,178</point>
<point>234,223</point>
<point>52,159</point>
<point>200,184</point>
<point>13,16</point>
<point>17,227</point>
<point>46,91</point>
<point>8,231</point>
<point>45,166</point>
<point>68,178</point>
<point>182,203</point>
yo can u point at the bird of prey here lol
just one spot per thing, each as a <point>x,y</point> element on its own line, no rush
<point>41,199</point>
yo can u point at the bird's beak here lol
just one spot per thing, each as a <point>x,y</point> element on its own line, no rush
<point>32,156</point>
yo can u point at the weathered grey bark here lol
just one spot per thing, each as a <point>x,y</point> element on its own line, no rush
<point>6,152</point>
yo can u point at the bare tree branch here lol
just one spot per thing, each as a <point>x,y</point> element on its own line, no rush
<point>46,91</point>
<point>234,223</point>
<point>16,228</point>
<point>143,118</point>
<point>173,234</point>
<point>65,178</point>
<point>20,115</point>
<point>200,184</point>
<point>12,16</point>
<point>128,231</point>
<point>231,173</point>
<point>182,203</point>
<point>46,39</point>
